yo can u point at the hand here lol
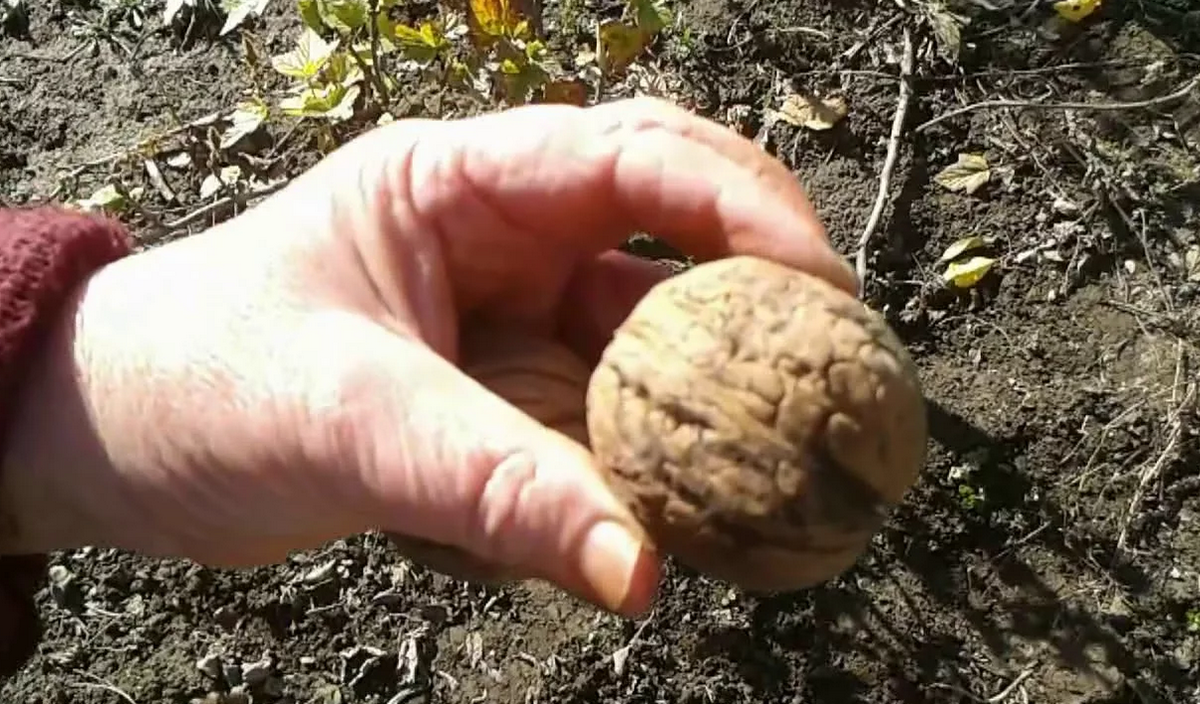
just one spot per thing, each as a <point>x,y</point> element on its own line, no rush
<point>296,374</point>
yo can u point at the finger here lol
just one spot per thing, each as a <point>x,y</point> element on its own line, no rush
<point>449,461</point>
<point>518,196</point>
<point>600,296</point>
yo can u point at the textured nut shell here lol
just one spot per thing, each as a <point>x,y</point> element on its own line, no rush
<point>758,421</point>
<point>543,379</point>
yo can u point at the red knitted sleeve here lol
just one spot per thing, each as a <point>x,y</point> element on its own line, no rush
<point>44,254</point>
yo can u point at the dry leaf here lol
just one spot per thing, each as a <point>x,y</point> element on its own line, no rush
<point>813,113</point>
<point>947,31</point>
<point>246,120</point>
<point>967,174</point>
<point>1076,10</point>
<point>567,91</point>
<point>967,274</point>
<point>961,247</point>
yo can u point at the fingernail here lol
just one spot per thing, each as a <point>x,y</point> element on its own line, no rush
<point>610,558</point>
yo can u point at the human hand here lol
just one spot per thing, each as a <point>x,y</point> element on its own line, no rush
<point>296,374</point>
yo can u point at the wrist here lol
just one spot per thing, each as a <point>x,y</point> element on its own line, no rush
<point>53,461</point>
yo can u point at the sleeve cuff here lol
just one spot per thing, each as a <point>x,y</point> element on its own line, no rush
<point>45,253</point>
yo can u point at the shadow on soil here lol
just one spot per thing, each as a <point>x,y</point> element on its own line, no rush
<point>915,618</point>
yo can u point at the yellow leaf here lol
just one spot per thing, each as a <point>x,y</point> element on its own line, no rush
<point>813,113</point>
<point>967,174</point>
<point>495,19</point>
<point>622,43</point>
<point>961,247</point>
<point>967,274</point>
<point>1076,10</point>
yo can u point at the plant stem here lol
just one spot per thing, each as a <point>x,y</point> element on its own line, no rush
<point>377,65</point>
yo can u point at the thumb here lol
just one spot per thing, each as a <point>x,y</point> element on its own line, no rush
<point>493,462</point>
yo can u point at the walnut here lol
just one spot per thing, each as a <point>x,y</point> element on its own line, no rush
<point>758,421</point>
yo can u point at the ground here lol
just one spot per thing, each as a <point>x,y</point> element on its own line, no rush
<point>1051,550</point>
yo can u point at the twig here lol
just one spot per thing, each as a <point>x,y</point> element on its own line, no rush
<point>996,698</point>
<point>52,59</point>
<point>889,163</point>
<point>1033,105</point>
<point>206,210</point>
<point>11,81</point>
<point>1178,423</point>
<point>105,685</point>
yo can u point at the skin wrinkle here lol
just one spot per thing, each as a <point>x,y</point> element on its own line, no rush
<point>454,174</point>
<point>431,327</point>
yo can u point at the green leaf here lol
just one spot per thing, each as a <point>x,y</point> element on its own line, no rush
<point>310,14</point>
<point>967,174</point>
<point>333,102</point>
<point>420,44</point>
<point>651,16</point>
<point>107,198</point>
<point>344,15</point>
<point>307,59</point>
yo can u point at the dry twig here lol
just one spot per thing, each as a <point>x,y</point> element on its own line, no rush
<point>889,163</point>
<point>1034,105</point>
<point>210,208</point>
<point>996,698</point>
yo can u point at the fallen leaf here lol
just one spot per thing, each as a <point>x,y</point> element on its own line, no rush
<point>230,175</point>
<point>1192,263</point>
<point>961,247</point>
<point>967,174</point>
<point>173,8</point>
<point>967,274</point>
<point>246,119</point>
<point>210,186</point>
<point>813,113</point>
<point>569,92</point>
<point>107,198</point>
<point>1076,10</point>
<point>947,31</point>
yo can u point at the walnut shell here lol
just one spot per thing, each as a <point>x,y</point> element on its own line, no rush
<point>758,421</point>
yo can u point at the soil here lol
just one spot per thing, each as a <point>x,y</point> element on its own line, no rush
<point>1051,551</point>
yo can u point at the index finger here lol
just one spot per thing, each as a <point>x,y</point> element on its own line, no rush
<point>519,197</point>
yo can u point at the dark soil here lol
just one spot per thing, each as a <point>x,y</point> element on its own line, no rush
<point>1061,388</point>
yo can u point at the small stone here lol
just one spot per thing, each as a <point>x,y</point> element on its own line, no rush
<point>210,665</point>
<point>273,687</point>
<point>233,675</point>
<point>226,616</point>
<point>255,673</point>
